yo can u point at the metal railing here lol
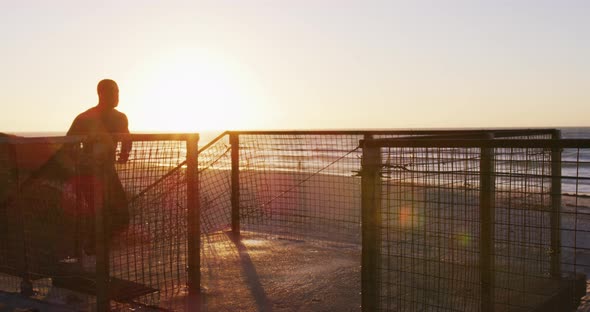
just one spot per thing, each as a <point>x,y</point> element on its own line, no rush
<point>317,188</point>
<point>292,164</point>
<point>474,224</point>
<point>114,235</point>
<point>306,186</point>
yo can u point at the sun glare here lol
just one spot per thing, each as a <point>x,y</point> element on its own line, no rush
<point>186,93</point>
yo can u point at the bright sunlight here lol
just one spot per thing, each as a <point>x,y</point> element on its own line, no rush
<point>187,92</point>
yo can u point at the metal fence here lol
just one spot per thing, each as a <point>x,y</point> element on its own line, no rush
<point>61,207</point>
<point>307,187</point>
<point>434,227</point>
<point>466,225</point>
<point>298,183</point>
<point>35,230</point>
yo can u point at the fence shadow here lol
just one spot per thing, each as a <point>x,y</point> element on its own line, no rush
<point>251,275</point>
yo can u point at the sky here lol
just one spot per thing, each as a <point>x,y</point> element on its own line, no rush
<point>214,65</point>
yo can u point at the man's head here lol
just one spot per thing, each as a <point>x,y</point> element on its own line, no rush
<point>108,93</point>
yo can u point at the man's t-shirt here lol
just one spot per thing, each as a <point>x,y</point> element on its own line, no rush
<point>100,121</point>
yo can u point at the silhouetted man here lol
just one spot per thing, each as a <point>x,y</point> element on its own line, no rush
<point>102,122</point>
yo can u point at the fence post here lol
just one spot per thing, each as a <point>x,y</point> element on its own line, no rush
<point>234,140</point>
<point>100,196</point>
<point>555,205</point>
<point>487,221</point>
<point>194,220</point>
<point>370,226</point>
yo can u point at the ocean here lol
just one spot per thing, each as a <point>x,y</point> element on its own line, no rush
<point>575,168</point>
<point>576,164</point>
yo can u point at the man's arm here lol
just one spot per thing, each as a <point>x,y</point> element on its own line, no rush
<point>125,144</point>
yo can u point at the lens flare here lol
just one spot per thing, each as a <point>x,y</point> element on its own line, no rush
<point>410,218</point>
<point>464,239</point>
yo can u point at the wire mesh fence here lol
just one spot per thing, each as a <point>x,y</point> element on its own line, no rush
<point>152,253</point>
<point>276,205</point>
<point>52,201</point>
<point>39,220</point>
<point>215,185</point>
<point>419,228</point>
<point>478,225</point>
<point>300,186</point>
<point>306,187</point>
<point>308,183</point>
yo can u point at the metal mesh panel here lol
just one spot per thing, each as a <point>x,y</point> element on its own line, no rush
<point>522,224</point>
<point>434,252</point>
<point>301,185</point>
<point>40,220</point>
<point>215,187</point>
<point>153,250</point>
<point>574,215</point>
<point>48,222</point>
<point>430,229</point>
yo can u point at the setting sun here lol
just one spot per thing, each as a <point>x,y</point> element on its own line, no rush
<point>191,91</point>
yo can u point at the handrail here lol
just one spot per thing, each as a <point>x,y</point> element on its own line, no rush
<point>497,143</point>
<point>497,132</point>
<point>13,139</point>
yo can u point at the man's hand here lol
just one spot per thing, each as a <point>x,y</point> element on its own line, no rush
<point>122,158</point>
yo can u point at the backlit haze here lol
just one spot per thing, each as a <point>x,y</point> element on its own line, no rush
<point>210,65</point>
